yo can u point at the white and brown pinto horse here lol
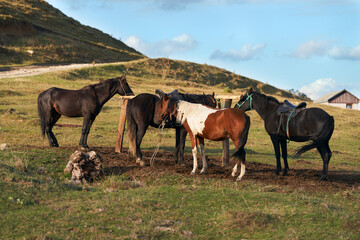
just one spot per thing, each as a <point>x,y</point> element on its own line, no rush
<point>214,124</point>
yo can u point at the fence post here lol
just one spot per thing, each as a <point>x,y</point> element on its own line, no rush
<point>225,143</point>
<point>121,128</point>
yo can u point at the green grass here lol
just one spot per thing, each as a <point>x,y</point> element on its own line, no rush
<point>37,201</point>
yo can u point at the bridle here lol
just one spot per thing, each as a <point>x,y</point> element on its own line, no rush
<point>216,101</point>
<point>248,97</point>
<point>122,87</point>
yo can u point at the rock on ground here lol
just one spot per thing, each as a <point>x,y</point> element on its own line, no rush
<point>84,166</point>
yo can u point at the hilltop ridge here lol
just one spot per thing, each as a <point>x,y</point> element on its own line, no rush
<point>34,32</point>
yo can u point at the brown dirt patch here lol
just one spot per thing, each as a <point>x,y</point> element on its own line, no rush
<point>298,179</point>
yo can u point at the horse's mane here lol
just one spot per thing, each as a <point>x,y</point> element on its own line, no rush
<point>269,98</point>
<point>102,83</point>
<point>198,98</point>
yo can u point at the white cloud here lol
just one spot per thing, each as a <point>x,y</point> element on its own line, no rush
<point>321,48</point>
<point>319,88</point>
<point>310,48</point>
<point>345,53</point>
<point>163,48</point>
<point>246,52</point>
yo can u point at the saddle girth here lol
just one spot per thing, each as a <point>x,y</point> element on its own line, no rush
<point>288,111</point>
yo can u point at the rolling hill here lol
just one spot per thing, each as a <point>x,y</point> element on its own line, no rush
<point>190,73</point>
<point>34,32</point>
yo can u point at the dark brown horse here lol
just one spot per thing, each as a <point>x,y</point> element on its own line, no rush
<point>214,124</point>
<point>86,102</point>
<point>141,113</point>
<point>309,124</point>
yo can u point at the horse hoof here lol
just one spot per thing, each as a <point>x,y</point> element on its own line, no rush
<point>140,162</point>
<point>84,148</point>
<point>192,173</point>
<point>324,178</point>
<point>202,172</point>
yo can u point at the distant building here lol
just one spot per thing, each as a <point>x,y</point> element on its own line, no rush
<point>342,99</point>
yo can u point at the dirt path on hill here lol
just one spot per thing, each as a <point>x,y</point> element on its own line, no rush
<point>35,70</point>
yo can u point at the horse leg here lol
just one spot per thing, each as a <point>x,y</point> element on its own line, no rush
<point>54,119</point>
<point>284,156</point>
<point>139,136</point>
<point>325,153</point>
<point>49,125</point>
<point>180,145</point>
<point>194,153</point>
<point>202,150</point>
<point>88,121</point>
<point>240,155</point>
<point>235,168</point>
<point>242,162</point>
<point>275,142</point>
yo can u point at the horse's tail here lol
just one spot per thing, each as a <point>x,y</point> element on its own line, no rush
<point>42,114</point>
<point>324,136</point>
<point>243,139</point>
<point>131,129</point>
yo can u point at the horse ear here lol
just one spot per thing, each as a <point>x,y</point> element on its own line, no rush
<point>160,93</point>
<point>213,94</point>
<point>123,78</point>
<point>251,90</point>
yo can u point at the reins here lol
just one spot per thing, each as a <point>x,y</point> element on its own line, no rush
<point>162,125</point>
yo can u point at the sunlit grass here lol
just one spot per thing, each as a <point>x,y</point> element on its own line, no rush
<point>38,202</point>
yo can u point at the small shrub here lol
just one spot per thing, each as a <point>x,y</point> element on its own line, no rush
<point>227,90</point>
<point>20,164</point>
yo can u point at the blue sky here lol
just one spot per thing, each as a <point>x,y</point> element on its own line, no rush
<point>310,46</point>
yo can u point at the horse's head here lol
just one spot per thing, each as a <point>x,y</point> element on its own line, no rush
<point>246,101</point>
<point>211,100</point>
<point>123,87</point>
<point>168,106</point>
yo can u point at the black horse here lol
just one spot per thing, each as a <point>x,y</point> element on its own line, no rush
<point>86,102</point>
<point>143,111</point>
<point>309,124</point>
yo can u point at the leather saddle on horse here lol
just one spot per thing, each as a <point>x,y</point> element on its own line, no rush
<point>288,107</point>
<point>287,111</point>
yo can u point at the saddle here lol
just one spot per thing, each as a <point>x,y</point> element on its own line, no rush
<point>287,111</point>
<point>288,107</point>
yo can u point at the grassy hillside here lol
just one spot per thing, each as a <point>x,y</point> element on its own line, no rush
<point>192,74</point>
<point>129,202</point>
<point>34,32</point>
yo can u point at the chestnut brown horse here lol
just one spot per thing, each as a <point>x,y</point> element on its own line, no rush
<point>86,102</point>
<point>214,124</point>
<point>142,112</point>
